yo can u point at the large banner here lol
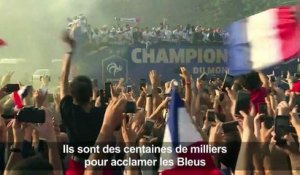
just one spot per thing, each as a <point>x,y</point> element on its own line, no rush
<point>134,62</point>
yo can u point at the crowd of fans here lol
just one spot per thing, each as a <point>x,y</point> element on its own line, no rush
<point>79,115</point>
<point>134,34</point>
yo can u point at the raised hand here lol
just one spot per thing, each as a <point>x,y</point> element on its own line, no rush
<point>120,83</point>
<point>289,77</point>
<point>66,38</point>
<point>168,86</point>
<point>56,98</point>
<point>3,93</point>
<point>283,108</point>
<point>40,97</point>
<point>129,133</point>
<point>115,91</point>
<point>95,91</point>
<point>158,129</point>
<point>215,133</point>
<point>271,111</point>
<point>231,94</point>
<point>98,102</point>
<point>165,102</point>
<point>184,74</point>
<point>45,80</point>
<point>247,131</point>
<point>232,98</point>
<point>154,79</point>
<point>199,84</point>
<point>6,78</point>
<point>113,114</point>
<point>225,104</point>
<point>47,130</point>
<point>18,131</point>
<point>261,133</point>
<point>291,147</point>
<point>292,100</point>
<point>295,120</point>
<point>3,130</point>
<point>148,142</point>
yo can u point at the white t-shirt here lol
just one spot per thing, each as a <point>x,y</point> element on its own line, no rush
<point>103,34</point>
<point>153,34</point>
<point>161,32</point>
<point>128,35</point>
<point>168,34</point>
<point>187,35</point>
<point>112,35</point>
<point>205,36</point>
<point>178,33</point>
<point>95,36</point>
<point>146,35</point>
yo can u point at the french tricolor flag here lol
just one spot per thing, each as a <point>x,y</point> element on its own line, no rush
<point>180,131</point>
<point>18,97</point>
<point>263,40</point>
<point>2,42</point>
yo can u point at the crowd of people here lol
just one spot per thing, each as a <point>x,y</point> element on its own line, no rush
<point>80,115</point>
<point>134,34</point>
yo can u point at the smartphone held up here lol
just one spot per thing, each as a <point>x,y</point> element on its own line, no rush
<point>10,88</point>
<point>227,82</point>
<point>148,128</point>
<point>242,103</point>
<point>107,90</point>
<point>31,115</point>
<point>211,116</point>
<point>26,114</point>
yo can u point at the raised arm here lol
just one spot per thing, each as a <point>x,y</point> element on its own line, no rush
<point>141,102</point>
<point>188,92</point>
<point>295,155</point>
<point>6,78</point>
<point>290,80</point>
<point>264,79</point>
<point>15,155</point>
<point>53,151</point>
<point>156,114</point>
<point>66,66</point>
<point>112,120</point>
<point>244,160</point>
<point>130,138</point>
<point>154,79</point>
<point>149,106</point>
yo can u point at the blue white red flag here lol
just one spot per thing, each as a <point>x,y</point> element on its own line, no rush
<point>263,40</point>
<point>181,132</point>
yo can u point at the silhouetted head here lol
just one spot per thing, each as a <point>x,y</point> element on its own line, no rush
<point>250,81</point>
<point>81,89</point>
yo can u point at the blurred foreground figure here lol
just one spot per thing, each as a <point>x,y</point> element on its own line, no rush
<point>81,119</point>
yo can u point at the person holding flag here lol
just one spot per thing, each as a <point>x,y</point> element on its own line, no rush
<point>181,131</point>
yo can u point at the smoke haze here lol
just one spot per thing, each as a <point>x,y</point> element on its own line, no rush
<point>32,27</point>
